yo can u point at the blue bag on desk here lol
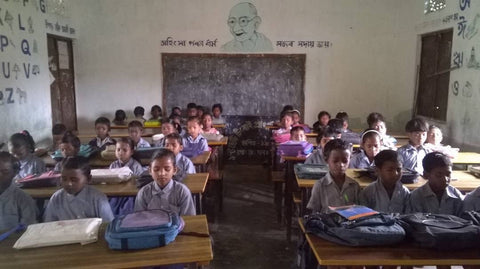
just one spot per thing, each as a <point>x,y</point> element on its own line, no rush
<point>143,229</point>
<point>294,148</point>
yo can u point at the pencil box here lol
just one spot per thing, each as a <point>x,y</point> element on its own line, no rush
<point>143,229</point>
<point>294,148</point>
<point>47,179</point>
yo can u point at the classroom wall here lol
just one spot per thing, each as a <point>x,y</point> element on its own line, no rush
<point>369,63</point>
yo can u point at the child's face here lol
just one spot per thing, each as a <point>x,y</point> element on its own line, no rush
<point>299,136</point>
<point>192,112</point>
<point>380,127</point>
<point>135,133</point>
<point>435,136</point>
<point>73,180</point>
<point>162,171</point>
<point>207,122</point>
<point>390,172</point>
<point>199,113</point>
<point>372,146</point>
<point>417,138</point>
<point>438,178</point>
<point>6,175</point>
<point>123,152</point>
<point>287,122</point>
<point>57,140</point>
<point>216,112</point>
<point>101,130</point>
<point>173,145</point>
<point>20,151</point>
<point>177,111</point>
<point>155,113</point>
<point>324,120</point>
<point>167,128</point>
<point>193,128</point>
<point>296,118</point>
<point>68,150</point>
<point>338,161</point>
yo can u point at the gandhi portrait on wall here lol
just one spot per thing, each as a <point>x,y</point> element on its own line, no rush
<point>243,22</point>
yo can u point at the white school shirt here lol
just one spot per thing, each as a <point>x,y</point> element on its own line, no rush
<point>88,203</point>
<point>142,144</point>
<point>360,160</point>
<point>425,200</point>
<point>133,164</point>
<point>375,196</point>
<point>31,165</point>
<point>412,157</point>
<point>472,201</point>
<point>174,197</point>
<point>16,207</point>
<point>184,167</point>
<point>326,193</point>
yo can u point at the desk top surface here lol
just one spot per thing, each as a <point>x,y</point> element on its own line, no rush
<point>195,182</point>
<point>185,249</point>
<point>221,142</point>
<point>467,158</point>
<point>328,253</point>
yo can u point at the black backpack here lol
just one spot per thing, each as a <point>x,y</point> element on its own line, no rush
<point>440,231</point>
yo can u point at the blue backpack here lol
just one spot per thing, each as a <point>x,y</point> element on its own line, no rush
<point>143,229</point>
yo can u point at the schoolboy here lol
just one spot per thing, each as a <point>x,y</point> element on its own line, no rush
<point>386,194</point>
<point>58,130</point>
<point>163,192</point>
<point>191,110</point>
<point>326,134</point>
<point>173,142</point>
<point>371,146</point>
<point>135,131</point>
<point>322,122</point>
<point>297,133</point>
<point>436,196</point>
<point>77,199</point>
<point>335,189</point>
<point>413,153</point>
<point>347,135</point>
<point>377,121</point>
<point>193,142</point>
<point>103,139</point>
<point>15,205</point>
<point>139,112</point>
<point>69,147</point>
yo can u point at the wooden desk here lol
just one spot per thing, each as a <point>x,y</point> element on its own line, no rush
<point>328,253</point>
<point>126,127</point>
<point>467,158</point>
<point>219,126</point>
<point>216,143</point>
<point>185,249</point>
<point>200,161</point>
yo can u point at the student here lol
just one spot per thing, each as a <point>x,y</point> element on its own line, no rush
<point>192,110</point>
<point>177,124</point>
<point>283,134</point>
<point>347,134</point>
<point>120,117</point>
<point>135,132</point>
<point>434,142</point>
<point>139,112</point>
<point>163,192</point>
<point>77,199</point>
<point>193,142</point>
<point>387,194</point>
<point>22,146</point>
<point>207,124</point>
<point>371,146</point>
<point>15,205</point>
<point>69,147</point>
<point>324,136</point>
<point>413,153</point>
<point>156,112</point>
<point>335,189</point>
<point>103,139</point>
<point>168,127</point>
<point>200,111</point>
<point>472,201</point>
<point>297,121</point>
<point>58,130</point>
<point>436,196</point>
<point>377,121</point>
<point>323,118</point>
<point>297,133</point>
<point>185,166</point>
<point>217,111</point>
<point>176,111</point>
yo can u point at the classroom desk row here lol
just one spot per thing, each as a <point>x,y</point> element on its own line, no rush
<point>186,249</point>
<point>216,126</point>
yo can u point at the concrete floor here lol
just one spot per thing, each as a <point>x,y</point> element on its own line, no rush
<point>246,234</point>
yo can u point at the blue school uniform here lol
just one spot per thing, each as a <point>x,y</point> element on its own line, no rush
<point>175,197</point>
<point>102,144</point>
<point>88,203</point>
<point>412,157</point>
<point>142,144</point>
<point>375,196</point>
<point>425,200</point>
<point>31,165</point>
<point>185,166</point>
<point>472,201</point>
<point>219,120</point>
<point>316,157</point>
<point>16,207</point>
<point>133,164</point>
<point>360,160</point>
<point>350,137</point>
<point>193,147</point>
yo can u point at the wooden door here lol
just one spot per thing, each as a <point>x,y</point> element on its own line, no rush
<point>62,88</point>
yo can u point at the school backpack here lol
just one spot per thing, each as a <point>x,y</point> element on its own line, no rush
<point>310,171</point>
<point>143,229</point>
<point>409,176</point>
<point>294,148</point>
<point>374,230</point>
<point>441,231</point>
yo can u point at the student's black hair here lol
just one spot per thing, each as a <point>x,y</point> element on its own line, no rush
<point>120,115</point>
<point>286,113</point>
<point>156,107</point>
<point>335,144</point>
<point>191,105</point>
<point>387,155</point>
<point>296,129</point>
<point>199,107</point>
<point>323,113</point>
<point>70,138</point>
<point>59,129</point>
<point>128,141</point>
<point>416,125</point>
<point>342,115</point>
<point>206,114</point>
<point>219,107</point>
<point>435,159</point>
<point>373,118</point>
<point>135,124</point>
<point>138,111</point>
<point>175,136</point>
<point>23,139</point>
<point>194,118</point>
<point>176,125</point>
<point>6,156</point>
<point>164,153</point>
<point>173,110</point>
<point>77,162</point>
<point>103,120</point>
<point>287,108</point>
<point>370,133</point>
<point>336,124</point>
<point>327,131</point>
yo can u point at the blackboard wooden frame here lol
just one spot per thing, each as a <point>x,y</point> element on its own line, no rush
<point>296,82</point>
